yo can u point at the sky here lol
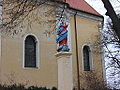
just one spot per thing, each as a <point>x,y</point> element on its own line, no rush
<point>98,5</point>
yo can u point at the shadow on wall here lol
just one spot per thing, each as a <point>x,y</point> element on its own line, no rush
<point>13,85</point>
<point>92,81</point>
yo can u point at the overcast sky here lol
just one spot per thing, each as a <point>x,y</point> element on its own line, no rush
<point>98,5</point>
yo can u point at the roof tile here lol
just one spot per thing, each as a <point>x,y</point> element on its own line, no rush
<point>81,5</point>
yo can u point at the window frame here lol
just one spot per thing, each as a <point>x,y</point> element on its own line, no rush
<point>37,52</point>
<point>90,58</point>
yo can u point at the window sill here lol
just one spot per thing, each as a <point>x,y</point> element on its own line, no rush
<point>29,68</point>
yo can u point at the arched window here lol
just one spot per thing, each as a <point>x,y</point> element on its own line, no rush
<point>86,58</point>
<point>30,59</point>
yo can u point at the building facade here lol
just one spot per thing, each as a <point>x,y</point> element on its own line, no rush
<point>32,56</point>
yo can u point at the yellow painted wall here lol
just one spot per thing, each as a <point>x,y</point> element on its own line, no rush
<point>11,67</point>
<point>11,64</point>
<point>87,30</point>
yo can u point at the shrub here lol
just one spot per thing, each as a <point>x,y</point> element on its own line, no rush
<point>22,87</point>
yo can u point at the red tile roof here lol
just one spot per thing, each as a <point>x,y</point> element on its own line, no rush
<point>81,5</point>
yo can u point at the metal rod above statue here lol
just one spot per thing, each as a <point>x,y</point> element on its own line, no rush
<point>62,37</point>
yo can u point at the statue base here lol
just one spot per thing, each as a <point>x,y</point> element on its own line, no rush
<point>65,77</point>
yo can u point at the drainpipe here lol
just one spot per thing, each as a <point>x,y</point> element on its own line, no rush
<point>77,59</point>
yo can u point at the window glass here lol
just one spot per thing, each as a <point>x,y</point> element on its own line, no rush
<point>30,51</point>
<point>86,58</point>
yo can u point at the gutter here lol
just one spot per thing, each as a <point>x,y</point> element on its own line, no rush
<point>77,59</point>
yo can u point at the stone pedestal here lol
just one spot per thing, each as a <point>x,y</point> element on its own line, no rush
<point>65,77</point>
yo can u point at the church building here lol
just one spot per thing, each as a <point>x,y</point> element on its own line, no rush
<point>57,46</point>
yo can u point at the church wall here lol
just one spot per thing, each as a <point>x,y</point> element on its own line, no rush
<point>87,30</point>
<point>42,26</point>
<point>12,70</point>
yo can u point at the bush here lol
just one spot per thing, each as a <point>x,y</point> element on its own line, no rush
<point>22,87</point>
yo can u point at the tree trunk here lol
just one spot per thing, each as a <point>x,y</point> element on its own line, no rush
<point>111,13</point>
